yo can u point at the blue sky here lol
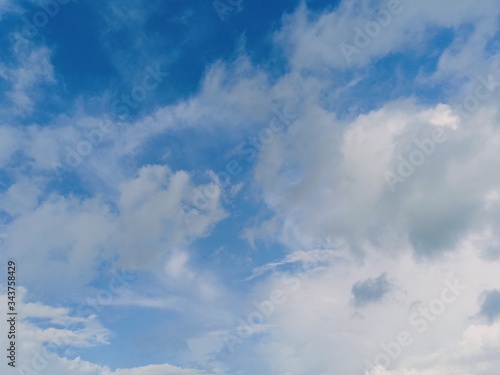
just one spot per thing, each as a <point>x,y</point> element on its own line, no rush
<point>289,188</point>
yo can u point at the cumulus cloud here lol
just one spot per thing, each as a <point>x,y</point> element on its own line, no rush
<point>70,235</point>
<point>151,218</point>
<point>341,176</point>
<point>407,188</point>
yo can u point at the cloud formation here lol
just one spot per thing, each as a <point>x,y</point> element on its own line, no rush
<point>335,239</point>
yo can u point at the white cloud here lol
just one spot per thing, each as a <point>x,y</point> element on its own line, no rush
<point>152,222</point>
<point>10,142</point>
<point>70,236</point>
<point>315,42</point>
<point>8,6</point>
<point>317,330</point>
<point>153,370</point>
<point>323,177</point>
<point>328,178</point>
<point>44,349</point>
<point>34,67</point>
